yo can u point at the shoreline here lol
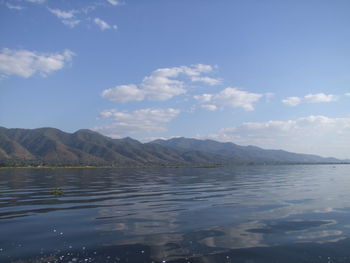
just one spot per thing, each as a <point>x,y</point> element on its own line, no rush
<point>159,166</point>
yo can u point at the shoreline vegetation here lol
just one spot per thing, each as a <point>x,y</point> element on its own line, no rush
<point>160,166</point>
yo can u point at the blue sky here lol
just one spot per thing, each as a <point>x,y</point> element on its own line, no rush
<point>269,73</point>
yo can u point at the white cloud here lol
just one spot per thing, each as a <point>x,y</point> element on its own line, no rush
<point>309,98</point>
<point>204,98</point>
<point>103,25</point>
<point>230,97</point>
<point>313,134</point>
<point>320,97</point>
<point>206,80</point>
<point>209,107</point>
<point>269,96</point>
<point>67,17</point>
<point>347,94</point>
<point>16,7</point>
<point>139,121</point>
<point>70,18</point>
<point>62,14</point>
<point>113,2</point>
<point>292,101</point>
<point>162,84</point>
<point>124,93</point>
<point>36,1</point>
<point>71,23</point>
<point>26,63</point>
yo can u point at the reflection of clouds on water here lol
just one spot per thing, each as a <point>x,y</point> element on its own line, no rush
<point>236,237</point>
<point>141,221</point>
<point>218,239</point>
<point>317,206</point>
<point>320,234</point>
<point>324,210</point>
<point>334,240</point>
<point>137,223</point>
<point>162,246</point>
<point>119,227</point>
<point>163,232</point>
<point>183,215</point>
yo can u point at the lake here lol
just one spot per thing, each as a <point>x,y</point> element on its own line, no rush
<point>291,213</point>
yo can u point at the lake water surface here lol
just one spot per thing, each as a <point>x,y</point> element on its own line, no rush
<point>292,213</point>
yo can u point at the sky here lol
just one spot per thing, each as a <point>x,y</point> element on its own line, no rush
<point>269,73</point>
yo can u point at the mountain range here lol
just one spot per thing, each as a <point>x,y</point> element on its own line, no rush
<point>53,147</point>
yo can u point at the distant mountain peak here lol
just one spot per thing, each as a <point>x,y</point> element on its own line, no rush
<point>87,131</point>
<point>129,139</point>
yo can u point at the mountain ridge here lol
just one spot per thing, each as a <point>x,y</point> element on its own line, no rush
<point>244,153</point>
<point>53,147</point>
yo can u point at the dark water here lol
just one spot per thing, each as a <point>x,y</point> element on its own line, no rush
<point>233,214</point>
